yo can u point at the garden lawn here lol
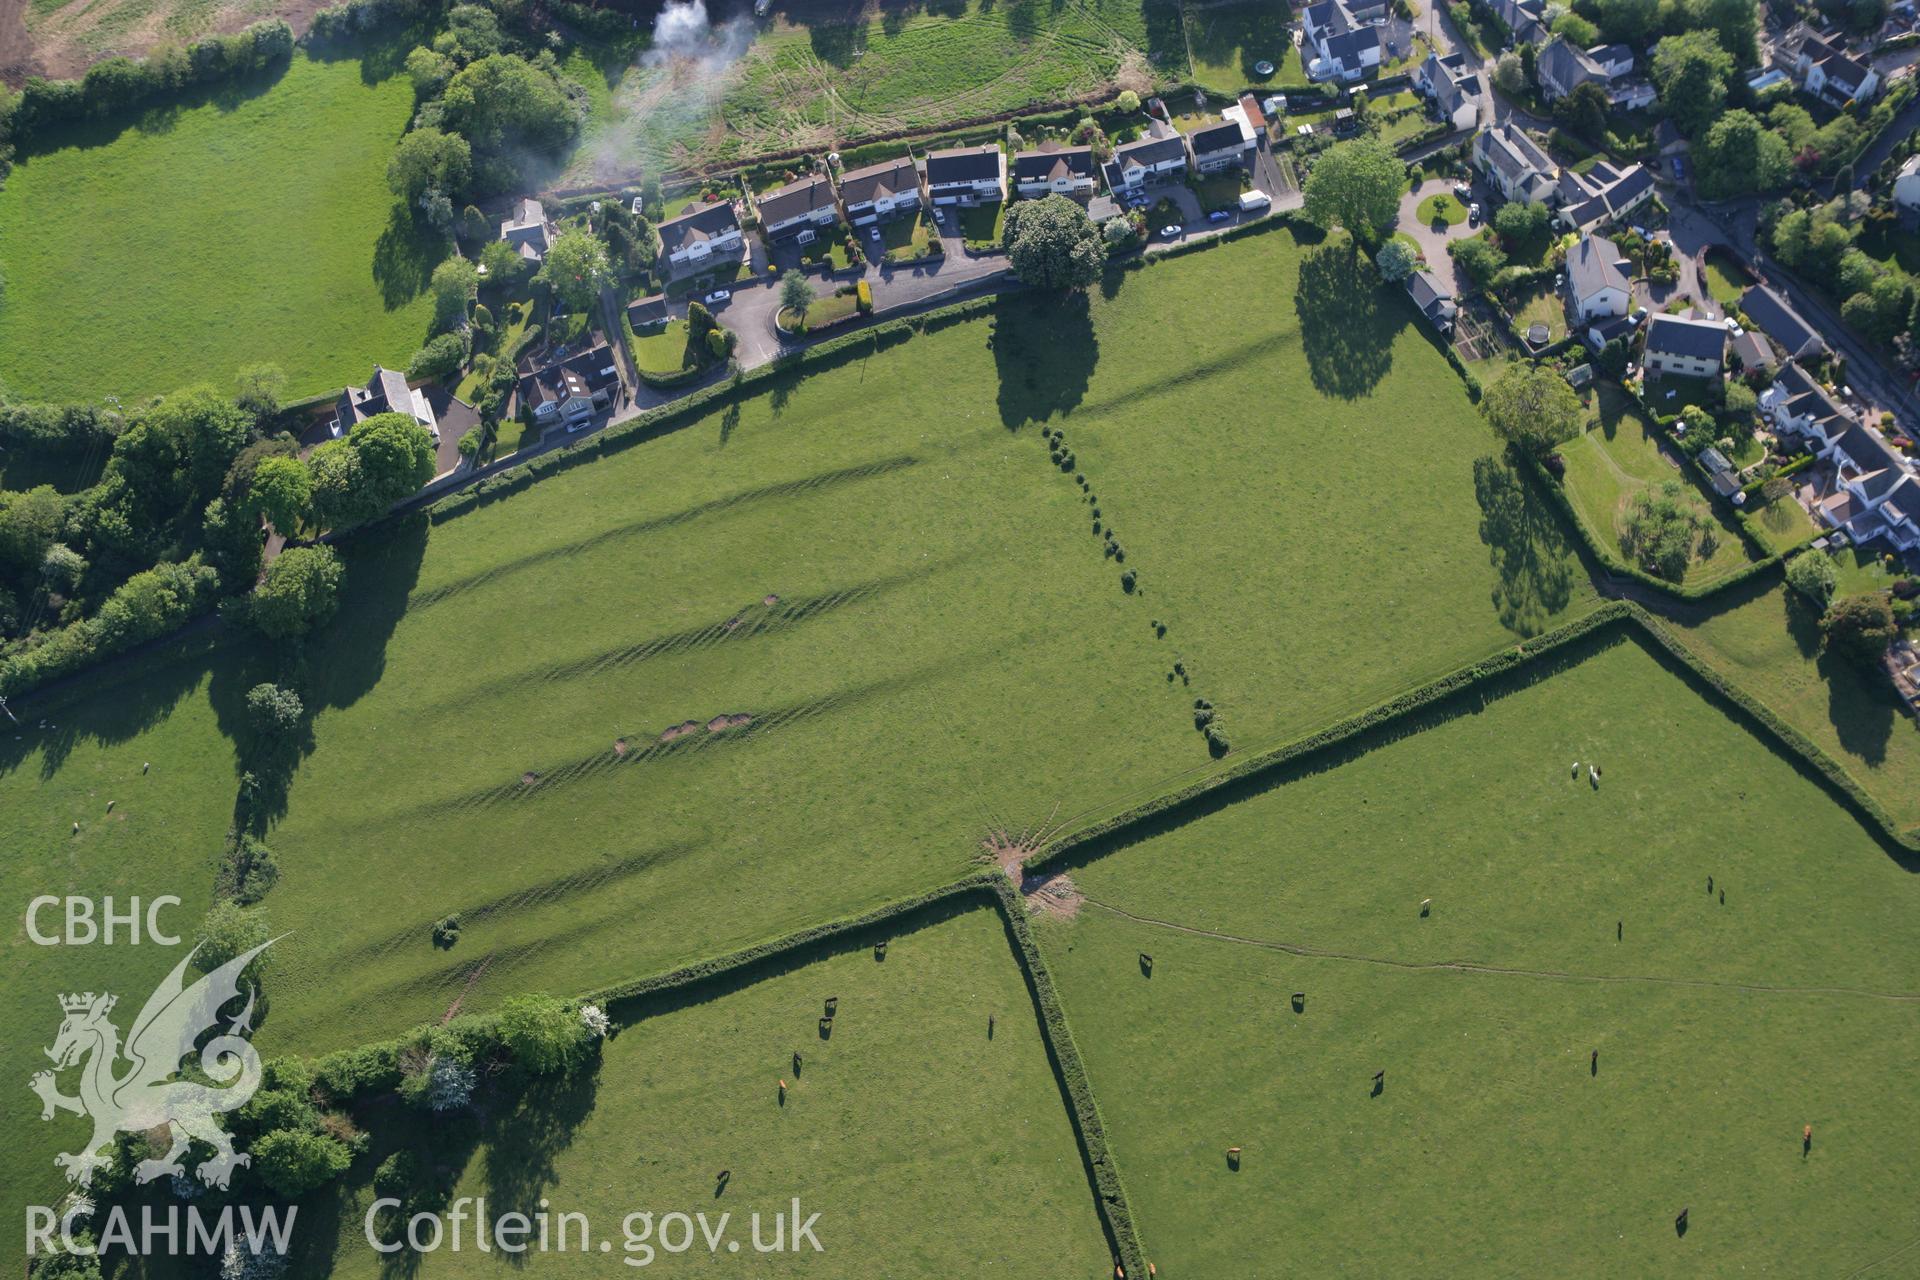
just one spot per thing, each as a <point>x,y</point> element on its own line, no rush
<point>916,1138</point>
<point>1767,642</point>
<point>662,350</point>
<point>941,599</point>
<point>905,238</point>
<point>1725,278</point>
<point>1228,40</point>
<point>251,227</point>
<point>1443,207</point>
<point>1494,1146</point>
<point>1541,305</point>
<point>1621,456</point>
<point>1783,524</point>
<point>163,837</point>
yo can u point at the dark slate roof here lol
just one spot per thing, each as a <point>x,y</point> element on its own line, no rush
<point>1781,322</point>
<point>1698,339</point>
<point>1611,53</point>
<point>1150,151</point>
<point>580,374</point>
<point>1593,264</point>
<point>796,199</point>
<point>1753,351</point>
<point>963,164</point>
<point>385,392</point>
<point>1607,328</point>
<point>1044,165</point>
<point>1349,46</point>
<point>1225,136</point>
<point>889,177</point>
<point>1435,302</point>
<point>1637,179</point>
<point>699,222</point>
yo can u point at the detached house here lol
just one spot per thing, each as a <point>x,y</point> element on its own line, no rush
<point>702,234</point>
<point>1221,146</point>
<point>1690,348</point>
<point>569,389</point>
<point>1345,43</point>
<point>1151,159</point>
<point>1602,196</point>
<point>880,191</point>
<point>1772,316</point>
<point>528,230</point>
<point>967,175</point>
<point>1562,68</point>
<point>1827,71</point>
<point>1597,281</point>
<point>1513,163</point>
<point>1065,171</point>
<point>801,209</point>
<point>1453,86</point>
<point>1799,406</point>
<point>386,392</point>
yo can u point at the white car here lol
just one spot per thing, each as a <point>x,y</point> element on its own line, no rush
<point>720,295</point>
<point>1172,232</point>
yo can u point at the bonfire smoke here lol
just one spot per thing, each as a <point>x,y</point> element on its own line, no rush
<point>682,75</point>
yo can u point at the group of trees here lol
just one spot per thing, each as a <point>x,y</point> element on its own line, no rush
<point>1664,531</point>
<point>1053,244</point>
<point>1818,242</point>
<point>1856,628</point>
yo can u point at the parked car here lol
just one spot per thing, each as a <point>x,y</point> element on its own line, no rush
<point>1462,190</point>
<point>1218,215</point>
<point>1173,231</point>
<point>1473,214</point>
<point>719,295</point>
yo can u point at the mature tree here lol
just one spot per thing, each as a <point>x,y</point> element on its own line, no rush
<point>1577,31</point>
<point>1519,221</point>
<point>1509,73</point>
<point>441,357</point>
<point>471,32</point>
<point>505,107</point>
<point>300,591</point>
<point>226,931</point>
<point>29,522</point>
<point>1397,260</point>
<point>1662,529</point>
<point>282,491</point>
<point>1740,156</point>
<point>796,295</point>
<point>576,267</point>
<point>174,455</point>
<point>1128,101</point>
<point>274,712</point>
<point>1356,185</point>
<point>543,1035</point>
<point>257,388</point>
<point>502,261</point>
<point>455,283</point>
<point>1629,21</point>
<point>1052,244</point>
<point>1692,71</point>
<point>1735,23</point>
<point>1479,257</point>
<point>1859,628</point>
<point>1812,574</point>
<point>396,456</point>
<point>293,1162</point>
<point>1584,111</point>
<point>1532,408</point>
<point>429,160</point>
<point>429,72</point>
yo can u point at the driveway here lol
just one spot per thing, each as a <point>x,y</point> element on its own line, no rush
<point>1433,242</point>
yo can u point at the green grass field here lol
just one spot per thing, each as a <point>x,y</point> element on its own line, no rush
<point>818,76</point>
<point>216,234</point>
<point>916,1138</point>
<point>1229,40</point>
<point>1621,455</point>
<point>1442,206</point>
<point>1493,1148</point>
<point>1768,643</point>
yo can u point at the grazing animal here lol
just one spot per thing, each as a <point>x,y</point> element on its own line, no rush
<point>109,806</point>
<point>1593,775</point>
<point>148,765</point>
<point>1426,906</point>
<point>1576,768</point>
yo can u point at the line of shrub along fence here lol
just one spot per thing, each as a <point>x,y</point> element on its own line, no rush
<point>1522,665</point>
<point>350,1075</point>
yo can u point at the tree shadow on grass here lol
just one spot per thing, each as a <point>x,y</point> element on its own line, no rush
<point>1255,33</point>
<point>530,1133</point>
<point>404,258</point>
<point>1044,351</point>
<point>1345,332</point>
<point>1860,707</point>
<point>348,656</point>
<point>1531,556</point>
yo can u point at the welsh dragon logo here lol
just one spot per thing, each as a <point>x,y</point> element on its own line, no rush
<point>146,1096</point>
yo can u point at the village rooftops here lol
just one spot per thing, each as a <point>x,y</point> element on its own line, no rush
<point>699,222</point>
<point>1594,264</point>
<point>963,164</point>
<point>795,200</point>
<point>1053,165</point>
<point>1694,339</point>
<point>1148,152</point>
<point>878,181</point>
<point>1781,322</point>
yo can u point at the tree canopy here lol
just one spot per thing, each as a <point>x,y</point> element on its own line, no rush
<point>1739,156</point>
<point>1356,185</point>
<point>1692,71</point>
<point>1532,408</point>
<point>300,591</point>
<point>576,267</point>
<point>1053,244</point>
<point>427,159</point>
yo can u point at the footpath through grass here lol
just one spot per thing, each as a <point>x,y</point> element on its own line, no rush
<point>249,226</point>
<point>927,1147</point>
<point>1722,1028</point>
